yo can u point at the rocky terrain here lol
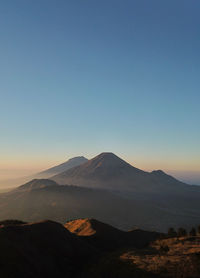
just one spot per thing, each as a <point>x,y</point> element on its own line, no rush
<point>89,248</point>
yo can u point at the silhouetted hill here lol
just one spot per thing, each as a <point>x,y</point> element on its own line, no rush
<point>105,237</point>
<point>11,222</point>
<point>44,249</point>
<point>47,249</point>
<point>99,234</point>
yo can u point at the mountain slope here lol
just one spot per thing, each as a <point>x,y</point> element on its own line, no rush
<point>44,249</point>
<point>109,171</point>
<point>105,170</point>
<point>73,162</point>
<point>36,184</point>
<point>47,249</point>
<point>8,184</point>
<point>44,199</point>
<point>90,226</point>
<point>105,237</point>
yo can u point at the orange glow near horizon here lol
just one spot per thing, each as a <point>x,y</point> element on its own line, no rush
<point>18,167</point>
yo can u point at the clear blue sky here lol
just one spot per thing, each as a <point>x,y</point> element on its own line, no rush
<point>81,77</point>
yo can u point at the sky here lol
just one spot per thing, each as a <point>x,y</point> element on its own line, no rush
<point>83,77</point>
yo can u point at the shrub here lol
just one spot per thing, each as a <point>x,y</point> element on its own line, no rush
<point>164,248</point>
<point>193,232</point>
<point>172,232</point>
<point>182,232</point>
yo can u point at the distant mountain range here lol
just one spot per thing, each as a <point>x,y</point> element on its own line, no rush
<point>73,162</point>
<point>45,199</point>
<point>108,171</point>
<point>109,189</point>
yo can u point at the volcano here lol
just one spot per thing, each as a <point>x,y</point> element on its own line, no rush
<point>111,172</point>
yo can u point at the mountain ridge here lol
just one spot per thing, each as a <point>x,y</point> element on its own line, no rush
<point>36,184</point>
<point>70,163</point>
<point>107,237</point>
<point>107,170</point>
<point>108,188</point>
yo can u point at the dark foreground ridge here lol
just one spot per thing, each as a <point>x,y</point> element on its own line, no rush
<point>43,249</point>
<point>88,248</point>
<point>106,237</point>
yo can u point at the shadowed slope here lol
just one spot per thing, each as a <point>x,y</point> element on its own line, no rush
<point>47,250</point>
<point>36,184</point>
<point>44,249</point>
<point>44,199</point>
<point>106,237</point>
